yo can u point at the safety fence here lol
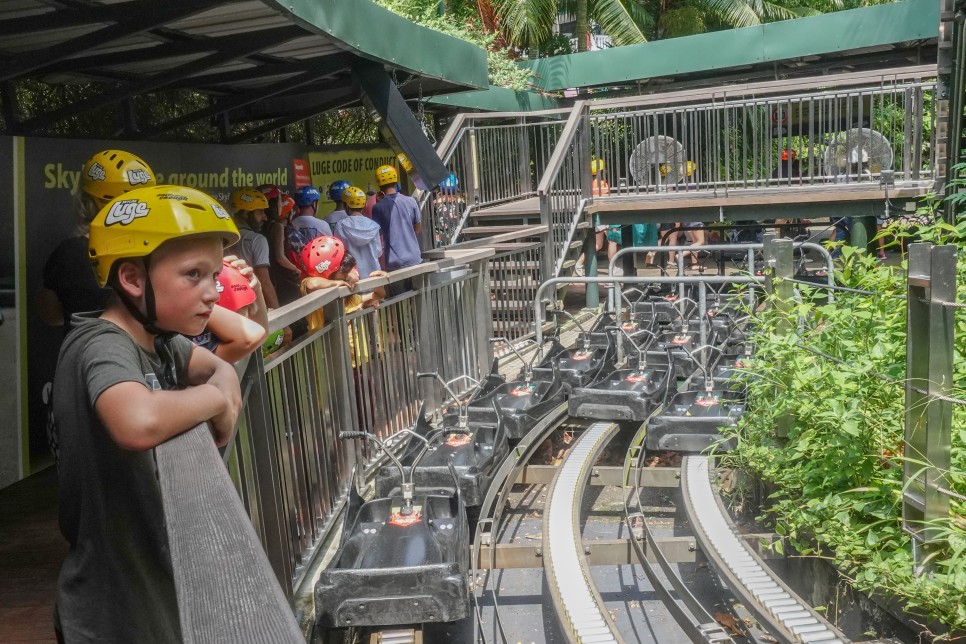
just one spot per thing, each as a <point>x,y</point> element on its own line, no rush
<point>842,136</point>
<point>514,276</point>
<point>493,159</point>
<point>357,369</point>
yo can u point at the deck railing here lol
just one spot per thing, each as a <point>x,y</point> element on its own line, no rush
<point>357,371</point>
<point>847,135</point>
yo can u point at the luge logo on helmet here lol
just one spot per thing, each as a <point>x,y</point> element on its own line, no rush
<point>96,172</point>
<point>322,267</point>
<point>246,197</point>
<point>135,177</point>
<point>220,212</point>
<point>125,211</point>
<point>219,286</point>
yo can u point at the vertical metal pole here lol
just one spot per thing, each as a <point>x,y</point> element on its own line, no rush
<point>427,345</point>
<point>930,327</point>
<point>525,184</point>
<point>779,268</point>
<point>473,174</point>
<point>592,293</point>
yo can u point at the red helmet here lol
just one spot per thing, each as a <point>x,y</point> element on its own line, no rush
<point>286,204</point>
<point>322,256</point>
<point>269,190</point>
<point>234,288</point>
<point>788,153</point>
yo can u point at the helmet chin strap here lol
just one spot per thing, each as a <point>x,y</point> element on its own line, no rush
<point>149,320</point>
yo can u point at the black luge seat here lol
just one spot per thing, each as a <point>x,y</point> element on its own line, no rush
<point>691,421</point>
<point>403,558</point>
<point>629,393</point>
<point>474,454</point>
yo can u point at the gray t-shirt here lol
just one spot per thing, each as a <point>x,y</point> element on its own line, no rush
<point>253,248</point>
<point>116,584</point>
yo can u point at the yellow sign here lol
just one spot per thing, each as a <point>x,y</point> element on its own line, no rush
<point>356,165</point>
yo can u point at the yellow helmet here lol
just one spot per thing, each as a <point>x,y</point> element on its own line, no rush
<point>690,167</point>
<point>596,166</point>
<point>137,223</point>
<point>111,173</point>
<point>247,199</point>
<point>385,175</point>
<point>354,198</point>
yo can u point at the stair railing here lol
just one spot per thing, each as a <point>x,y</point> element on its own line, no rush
<point>564,187</point>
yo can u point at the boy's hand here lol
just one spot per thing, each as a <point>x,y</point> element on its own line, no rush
<point>242,266</point>
<point>378,274</point>
<point>370,303</point>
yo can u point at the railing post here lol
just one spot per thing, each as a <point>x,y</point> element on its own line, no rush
<point>524,174</point>
<point>345,401</point>
<point>275,525</point>
<point>427,357</point>
<point>482,312</point>
<point>779,268</point>
<point>473,168</point>
<point>930,326</point>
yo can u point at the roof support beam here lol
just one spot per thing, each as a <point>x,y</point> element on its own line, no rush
<point>235,102</point>
<point>154,82</point>
<point>144,15</point>
<point>162,50</point>
<point>338,61</point>
<point>339,98</point>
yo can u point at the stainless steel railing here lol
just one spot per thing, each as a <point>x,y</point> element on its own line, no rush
<point>515,276</point>
<point>846,135</point>
<point>357,371</point>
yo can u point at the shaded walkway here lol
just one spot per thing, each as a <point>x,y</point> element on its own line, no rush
<point>31,552</point>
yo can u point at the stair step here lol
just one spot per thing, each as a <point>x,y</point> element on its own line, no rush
<point>483,231</point>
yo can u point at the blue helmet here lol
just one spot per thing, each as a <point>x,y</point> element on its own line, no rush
<point>336,189</point>
<point>450,184</point>
<point>306,196</point>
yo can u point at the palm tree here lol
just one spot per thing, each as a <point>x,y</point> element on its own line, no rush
<point>526,23</point>
<point>529,22</point>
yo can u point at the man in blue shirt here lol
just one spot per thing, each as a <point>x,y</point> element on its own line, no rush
<point>398,216</point>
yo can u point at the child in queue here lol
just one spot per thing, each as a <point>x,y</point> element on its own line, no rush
<point>127,380</point>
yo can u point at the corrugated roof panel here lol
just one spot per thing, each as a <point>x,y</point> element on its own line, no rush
<point>234,18</point>
<point>20,43</point>
<point>140,41</point>
<point>307,47</point>
<point>154,65</point>
<point>10,9</point>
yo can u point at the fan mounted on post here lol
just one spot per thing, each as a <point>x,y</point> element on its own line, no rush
<point>860,146</point>
<point>658,160</point>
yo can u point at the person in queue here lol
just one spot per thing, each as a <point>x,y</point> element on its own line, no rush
<point>398,217</point>
<point>248,208</point>
<point>68,285</point>
<point>336,188</point>
<point>360,234</point>
<point>306,221</point>
<point>238,323</point>
<point>128,380</point>
<point>327,262</point>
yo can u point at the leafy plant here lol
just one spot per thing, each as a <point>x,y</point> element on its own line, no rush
<point>836,478</point>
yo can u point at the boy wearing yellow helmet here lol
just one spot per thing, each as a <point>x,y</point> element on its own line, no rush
<point>360,234</point>
<point>126,382</point>
<point>69,286</point>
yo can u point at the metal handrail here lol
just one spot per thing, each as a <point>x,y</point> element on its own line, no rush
<point>578,215</point>
<point>557,158</point>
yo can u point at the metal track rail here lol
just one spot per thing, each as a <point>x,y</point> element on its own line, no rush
<point>683,606</point>
<point>786,615</point>
<point>495,501</point>
<point>578,605</point>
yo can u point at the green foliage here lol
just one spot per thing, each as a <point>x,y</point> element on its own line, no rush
<point>837,476</point>
<point>461,20</point>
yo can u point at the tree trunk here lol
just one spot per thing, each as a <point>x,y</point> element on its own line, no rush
<point>582,27</point>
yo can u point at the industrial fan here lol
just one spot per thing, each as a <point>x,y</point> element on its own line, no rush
<point>856,150</point>
<point>658,160</point>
